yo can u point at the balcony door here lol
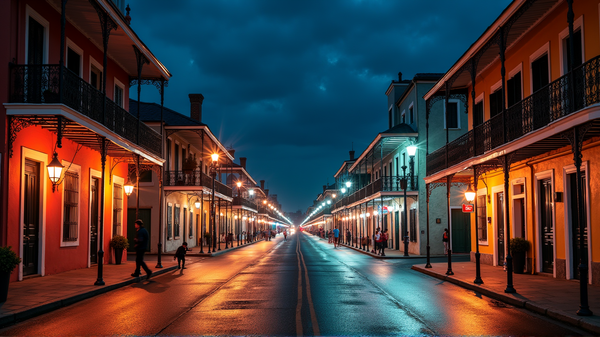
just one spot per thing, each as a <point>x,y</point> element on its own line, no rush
<point>540,77</point>
<point>574,219</point>
<point>94,219</point>
<point>35,58</point>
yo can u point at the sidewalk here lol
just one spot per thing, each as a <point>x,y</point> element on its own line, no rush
<point>558,299</point>
<point>35,296</point>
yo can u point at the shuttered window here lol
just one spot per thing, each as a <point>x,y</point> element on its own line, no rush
<point>71,205</point>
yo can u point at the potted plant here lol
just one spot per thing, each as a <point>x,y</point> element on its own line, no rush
<point>8,261</point>
<point>518,248</point>
<point>119,243</point>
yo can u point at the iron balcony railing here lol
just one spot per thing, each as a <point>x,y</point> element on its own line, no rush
<point>569,93</point>
<point>239,201</point>
<point>195,178</point>
<point>383,184</point>
<point>37,84</point>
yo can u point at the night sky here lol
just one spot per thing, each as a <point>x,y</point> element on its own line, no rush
<point>292,85</point>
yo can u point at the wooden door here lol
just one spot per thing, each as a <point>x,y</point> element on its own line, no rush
<point>547,226</point>
<point>575,233</point>
<point>31,219</point>
<point>461,234</point>
<point>94,219</point>
<point>500,227</point>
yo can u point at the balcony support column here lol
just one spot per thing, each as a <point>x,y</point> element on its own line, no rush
<point>448,187</point>
<point>140,61</point>
<point>100,280</point>
<point>428,264</point>
<point>107,24</point>
<point>61,61</point>
<point>478,280</point>
<point>570,18</point>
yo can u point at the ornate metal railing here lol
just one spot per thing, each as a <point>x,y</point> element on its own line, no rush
<point>239,201</point>
<point>37,84</point>
<point>383,184</point>
<point>567,94</point>
<point>194,178</point>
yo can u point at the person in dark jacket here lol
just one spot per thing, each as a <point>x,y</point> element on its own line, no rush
<point>180,255</point>
<point>141,244</point>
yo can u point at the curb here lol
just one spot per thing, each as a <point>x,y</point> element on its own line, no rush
<point>529,305</point>
<point>387,257</point>
<point>45,308</point>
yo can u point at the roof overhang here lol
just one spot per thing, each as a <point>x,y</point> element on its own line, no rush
<point>191,132</point>
<point>390,141</point>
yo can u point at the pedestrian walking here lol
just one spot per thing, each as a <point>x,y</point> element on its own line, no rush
<point>141,244</point>
<point>445,240</point>
<point>180,255</point>
<point>284,235</point>
<point>348,237</point>
<point>336,237</point>
<point>377,242</point>
<point>384,238</point>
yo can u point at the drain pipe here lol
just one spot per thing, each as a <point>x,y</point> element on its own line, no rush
<point>532,208</point>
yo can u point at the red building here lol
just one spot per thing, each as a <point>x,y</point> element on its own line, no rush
<point>66,71</point>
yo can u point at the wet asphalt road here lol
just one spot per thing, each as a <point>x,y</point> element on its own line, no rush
<point>299,287</point>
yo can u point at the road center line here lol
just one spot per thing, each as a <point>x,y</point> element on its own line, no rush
<point>299,304</point>
<point>313,316</point>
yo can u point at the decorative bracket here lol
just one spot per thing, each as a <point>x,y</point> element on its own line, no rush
<point>15,125</point>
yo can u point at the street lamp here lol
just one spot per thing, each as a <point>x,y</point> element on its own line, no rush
<point>54,170</point>
<point>213,172</point>
<point>128,187</point>
<point>239,185</point>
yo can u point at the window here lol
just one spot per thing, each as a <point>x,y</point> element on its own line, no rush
<point>513,90</point>
<point>478,113</point>
<point>577,49</point>
<point>481,218</point>
<point>176,160</point>
<point>176,222</point>
<point>451,115</point>
<point>117,209</point>
<point>169,221</point>
<point>168,154</point>
<point>145,176</point>
<point>191,231</point>
<point>539,73</point>
<point>118,97</point>
<point>411,115</point>
<point>73,61</point>
<point>495,103</point>
<point>397,166</point>
<point>403,117</point>
<point>96,76</point>
<point>71,207</point>
<point>412,234</point>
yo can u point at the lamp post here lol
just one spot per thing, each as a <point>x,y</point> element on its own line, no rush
<point>470,196</point>
<point>213,172</point>
<point>403,183</point>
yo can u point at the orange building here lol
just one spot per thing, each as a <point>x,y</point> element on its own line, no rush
<point>533,82</point>
<point>65,101</point>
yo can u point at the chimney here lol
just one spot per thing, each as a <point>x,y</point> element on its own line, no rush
<point>243,162</point>
<point>262,185</point>
<point>267,192</point>
<point>399,76</point>
<point>352,155</point>
<point>231,152</point>
<point>324,188</point>
<point>196,106</point>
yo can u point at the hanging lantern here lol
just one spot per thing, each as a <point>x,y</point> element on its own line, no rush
<point>54,170</point>
<point>128,187</point>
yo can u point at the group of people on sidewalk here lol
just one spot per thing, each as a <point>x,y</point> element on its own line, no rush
<point>380,239</point>
<point>334,237</point>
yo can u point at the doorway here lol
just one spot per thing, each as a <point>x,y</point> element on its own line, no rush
<point>94,219</point>
<point>574,219</point>
<point>546,225</point>
<point>499,206</point>
<point>31,218</point>
<point>461,234</point>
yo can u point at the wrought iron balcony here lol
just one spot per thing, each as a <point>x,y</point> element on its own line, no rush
<point>195,178</point>
<point>239,201</point>
<point>569,93</point>
<point>383,184</point>
<point>40,84</point>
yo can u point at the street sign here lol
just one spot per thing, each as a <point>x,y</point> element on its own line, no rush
<point>468,208</point>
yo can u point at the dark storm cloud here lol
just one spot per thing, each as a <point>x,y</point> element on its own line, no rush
<point>291,84</point>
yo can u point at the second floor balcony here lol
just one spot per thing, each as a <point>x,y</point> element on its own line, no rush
<point>41,84</point>
<point>566,95</point>
<point>240,201</point>
<point>381,185</point>
<point>194,179</point>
